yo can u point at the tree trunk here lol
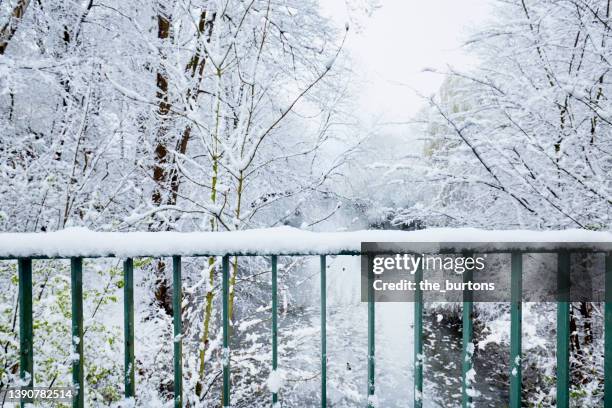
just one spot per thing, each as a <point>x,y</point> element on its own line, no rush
<point>10,28</point>
<point>162,292</point>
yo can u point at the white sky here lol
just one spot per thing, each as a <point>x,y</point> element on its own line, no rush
<point>397,42</point>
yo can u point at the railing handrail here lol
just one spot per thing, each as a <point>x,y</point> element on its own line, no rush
<point>80,242</point>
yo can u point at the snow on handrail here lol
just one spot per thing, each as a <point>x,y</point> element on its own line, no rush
<point>80,242</point>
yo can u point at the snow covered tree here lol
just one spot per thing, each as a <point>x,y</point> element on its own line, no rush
<point>168,115</point>
<point>531,140</point>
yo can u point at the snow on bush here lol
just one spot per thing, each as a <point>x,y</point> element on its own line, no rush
<point>275,381</point>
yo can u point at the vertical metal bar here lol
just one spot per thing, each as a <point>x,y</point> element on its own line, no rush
<point>468,346</point>
<point>76,280</point>
<point>128,327</point>
<point>274,321</point>
<point>563,330</point>
<point>226,350</point>
<point>608,334</point>
<point>177,297</point>
<point>516,285</point>
<point>26,332</point>
<point>418,339</point>
<point>323,332</point>
<point>371,331</point>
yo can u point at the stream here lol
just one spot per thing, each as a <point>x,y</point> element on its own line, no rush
<point>347,349</point>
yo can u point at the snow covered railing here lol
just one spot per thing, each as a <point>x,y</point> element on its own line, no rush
<point>76,244</point>
<point>81,242</point>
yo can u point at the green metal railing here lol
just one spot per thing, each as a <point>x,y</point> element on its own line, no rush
<point>26,366</point>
